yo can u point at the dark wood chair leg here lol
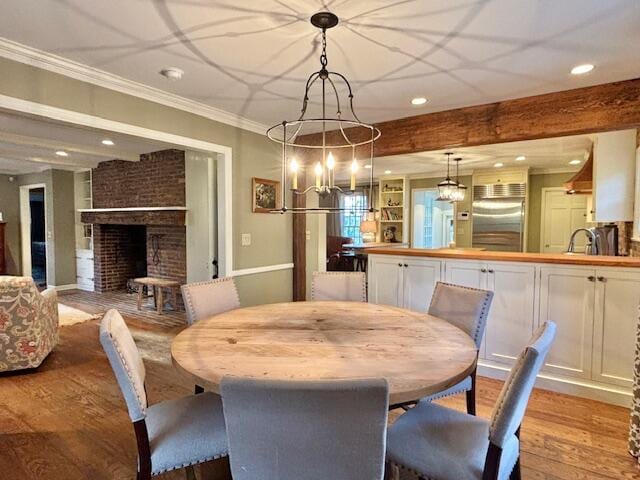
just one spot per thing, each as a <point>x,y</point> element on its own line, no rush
<point>144,450</point>
<point>471,396</point>
<point>516,473</point>
<point>199,389</point>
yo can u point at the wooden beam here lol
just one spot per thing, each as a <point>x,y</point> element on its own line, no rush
<point>612,106</point>
<point>299,247</point>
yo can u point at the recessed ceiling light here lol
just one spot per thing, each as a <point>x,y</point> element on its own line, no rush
<point>575,162</point>
<point>387,172</point>
<point>62,153</point>
<point>367,166</point>
<point>498,165</point>
<point>520,158</point>
<point>172,73</point>
<point>419,101</point>
<point>582,69</point>
<point>108,142</point>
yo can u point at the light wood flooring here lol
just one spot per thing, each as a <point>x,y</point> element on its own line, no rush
<point>67,420</point>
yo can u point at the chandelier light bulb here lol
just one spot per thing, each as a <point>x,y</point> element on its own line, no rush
<point>354,166</point>
<point>294,169</point>
<point>293,165</point>
<point>331,162</point>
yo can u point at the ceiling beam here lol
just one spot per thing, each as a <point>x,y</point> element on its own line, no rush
<point>611,106</point>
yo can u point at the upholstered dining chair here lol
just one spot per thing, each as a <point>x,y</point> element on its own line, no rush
<point>339,286</point>
<point>205,299</point>
<point>298,430</point>
<point>466,308</point>
<point>437,442</point>
<point>172,434</point>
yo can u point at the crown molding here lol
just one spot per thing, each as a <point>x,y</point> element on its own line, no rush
<point>78,71</point>
<point>550,170</point>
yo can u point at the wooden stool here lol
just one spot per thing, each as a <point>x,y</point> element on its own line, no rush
<point>158,284</point>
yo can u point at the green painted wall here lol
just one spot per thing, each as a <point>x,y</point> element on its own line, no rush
<point>253,155</point>
<point>463,228</point>
<point>10,208</point>
<point>536,184</point>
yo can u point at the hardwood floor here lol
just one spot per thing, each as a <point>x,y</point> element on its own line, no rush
<point>67,420</point>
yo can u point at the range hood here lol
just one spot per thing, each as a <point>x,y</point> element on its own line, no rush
<point>582,182</point>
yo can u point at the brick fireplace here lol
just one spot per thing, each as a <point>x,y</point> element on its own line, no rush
<point>147,241</point>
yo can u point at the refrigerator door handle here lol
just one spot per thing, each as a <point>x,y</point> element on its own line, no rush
<point>522,226</point>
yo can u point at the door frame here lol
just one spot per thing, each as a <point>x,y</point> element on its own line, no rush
<point>25,229</point>
<point>412,209</point>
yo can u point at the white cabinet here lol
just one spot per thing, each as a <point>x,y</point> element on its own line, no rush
<point>567,297</point>
<point>616,310</point>
<point>614,171</point>
<point>403,281</point>
<point>511,318</point>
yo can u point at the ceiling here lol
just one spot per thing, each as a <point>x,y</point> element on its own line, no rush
<point>29,144</point>
<point>541,156</point>
<point>252,57</point>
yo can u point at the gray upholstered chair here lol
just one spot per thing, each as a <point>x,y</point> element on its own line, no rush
<point>172,434</point>
<point>467,309</point>
<point>437,442</point>
<point>206,299</point>
<point>339,286</point>
<point>293,430</point>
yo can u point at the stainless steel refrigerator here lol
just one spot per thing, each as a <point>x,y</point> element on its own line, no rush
<point>498,216</point>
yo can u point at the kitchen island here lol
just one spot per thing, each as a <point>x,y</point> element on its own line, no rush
<point>593,299</point>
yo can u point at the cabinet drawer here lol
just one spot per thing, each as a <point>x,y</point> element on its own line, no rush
<point>504,176</point>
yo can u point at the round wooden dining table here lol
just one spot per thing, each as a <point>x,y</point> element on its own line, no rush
<point>416,353</point>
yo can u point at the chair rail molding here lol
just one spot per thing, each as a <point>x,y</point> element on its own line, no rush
<point>78,71</point>
<point>255,270</point>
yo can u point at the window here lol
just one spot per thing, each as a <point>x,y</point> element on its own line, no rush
<point>356,211</point>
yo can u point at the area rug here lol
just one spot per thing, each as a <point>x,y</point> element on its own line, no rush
<point>70,316</point>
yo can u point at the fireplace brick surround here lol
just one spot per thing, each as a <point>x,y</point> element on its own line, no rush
<point>157,180</point>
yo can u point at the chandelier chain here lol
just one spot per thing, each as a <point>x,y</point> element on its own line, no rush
<point>323,55</point>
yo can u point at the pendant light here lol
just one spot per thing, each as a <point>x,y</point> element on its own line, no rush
<point>446,187</point>
<point>460,191</point>
<point>327,135</point>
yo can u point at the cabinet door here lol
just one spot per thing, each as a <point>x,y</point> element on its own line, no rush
<point>567,298</point>
<point>466,273</point>
<point>385,280</point>
<point>511,318</point>
<point>617,300</point>
<point>420,277</point>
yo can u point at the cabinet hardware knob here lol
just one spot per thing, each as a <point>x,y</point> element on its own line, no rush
<point>602,279</point>
<point>591,278</point>
<point>399,264</point>
<point>490,271</point>
<point>483,270</point>
<point>405,265</point>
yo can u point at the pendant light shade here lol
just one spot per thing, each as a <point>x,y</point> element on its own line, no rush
<point>447,187</point>
<point>461,190</point>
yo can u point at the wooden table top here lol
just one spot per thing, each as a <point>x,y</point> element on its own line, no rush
<point>418,354</point>
<point>158,282</point>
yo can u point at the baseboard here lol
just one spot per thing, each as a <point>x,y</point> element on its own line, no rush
<point>571,386</point>
<point>61,288</point>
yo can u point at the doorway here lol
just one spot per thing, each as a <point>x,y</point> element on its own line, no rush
<point>561,215</point>
<point>33,226</point>
<point>433,221</point>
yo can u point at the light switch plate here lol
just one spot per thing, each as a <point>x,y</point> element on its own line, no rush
<point>245,239</point>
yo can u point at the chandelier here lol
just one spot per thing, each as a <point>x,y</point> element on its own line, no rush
<point>326,136</point>
<point>447,187</point>
<point>461,190</point>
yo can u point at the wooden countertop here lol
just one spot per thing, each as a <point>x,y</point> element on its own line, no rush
<point>555,258</point>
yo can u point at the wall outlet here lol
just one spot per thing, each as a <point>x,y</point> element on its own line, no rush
<point>245,239</point>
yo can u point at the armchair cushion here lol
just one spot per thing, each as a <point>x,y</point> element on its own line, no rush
<point>186,431</point>
<point>445,444</point>
<point>28,323</point>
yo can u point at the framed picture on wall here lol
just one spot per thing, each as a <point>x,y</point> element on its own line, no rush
<point>266,195</point>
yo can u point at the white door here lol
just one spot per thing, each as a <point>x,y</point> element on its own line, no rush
<point>561,215</point>
<point>432,225</point>
<point>385,280</point>
<point>567,298</point>
<point>466,273</point>
<point>420,277</point>
<point>511,317</point>
<point>617,300</point>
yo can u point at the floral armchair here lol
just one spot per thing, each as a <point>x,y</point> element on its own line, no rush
<point>28,323</point>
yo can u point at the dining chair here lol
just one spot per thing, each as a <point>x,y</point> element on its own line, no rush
<point>466,308</point>
<point>172,434</point>
<point>306,430</point>
<point>205,299</point>
<point>445,444</point>
<point>339,286</point>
